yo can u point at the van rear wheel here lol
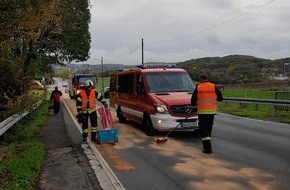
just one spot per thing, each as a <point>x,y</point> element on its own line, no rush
<point>148,127</point>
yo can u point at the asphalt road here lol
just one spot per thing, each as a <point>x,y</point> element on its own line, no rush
<point>248,154</point>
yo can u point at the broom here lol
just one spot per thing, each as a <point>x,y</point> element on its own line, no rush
<point>164,139</point>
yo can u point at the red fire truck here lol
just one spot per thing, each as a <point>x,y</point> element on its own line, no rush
<point>157,98</point>
<point>76,83</point>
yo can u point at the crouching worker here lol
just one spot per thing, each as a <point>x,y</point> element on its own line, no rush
<point>86,106</point>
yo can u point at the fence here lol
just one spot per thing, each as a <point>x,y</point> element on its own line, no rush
<point>273,84</point>
<point>282,96</point>
<point>243,101</point>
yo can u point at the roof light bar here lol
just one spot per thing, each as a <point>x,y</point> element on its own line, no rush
<point>156,66</point>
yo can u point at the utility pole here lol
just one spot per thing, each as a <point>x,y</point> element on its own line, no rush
<point>142,52</point>
<point>102,72</point>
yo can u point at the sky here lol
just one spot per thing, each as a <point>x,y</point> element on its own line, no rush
<point>180,30</point>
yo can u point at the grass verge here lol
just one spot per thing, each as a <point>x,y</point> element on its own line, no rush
<point>263,112</point>
<point>23,151</point>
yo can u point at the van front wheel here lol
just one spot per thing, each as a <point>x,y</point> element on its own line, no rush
<point>148,127</point>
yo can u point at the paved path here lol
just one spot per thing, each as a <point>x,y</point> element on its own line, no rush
<point>71,164</point>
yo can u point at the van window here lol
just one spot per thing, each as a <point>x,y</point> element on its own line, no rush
<point>169,82</point>
<point>125,83</point>
<point>139,85</point>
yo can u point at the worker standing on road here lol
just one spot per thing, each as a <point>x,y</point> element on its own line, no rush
<point>86,107</point>
<point>205,97</point>
<point>55,99</point>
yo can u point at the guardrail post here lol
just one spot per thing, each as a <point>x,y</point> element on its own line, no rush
<point>282,96</point>
<point>242,105</point>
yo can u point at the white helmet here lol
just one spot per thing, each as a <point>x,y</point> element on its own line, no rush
<point>88,83</point>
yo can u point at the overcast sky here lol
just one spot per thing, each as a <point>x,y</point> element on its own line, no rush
<point>179,30</point>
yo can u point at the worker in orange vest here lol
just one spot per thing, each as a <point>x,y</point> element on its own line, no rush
<point>86,106</point>
<point>205,97</point>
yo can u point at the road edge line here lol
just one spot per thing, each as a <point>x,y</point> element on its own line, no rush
<point>108,171</point>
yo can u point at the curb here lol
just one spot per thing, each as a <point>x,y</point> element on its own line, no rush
<point>107,179</point>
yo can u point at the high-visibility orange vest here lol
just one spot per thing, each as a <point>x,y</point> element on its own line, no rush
<point>91,99</point>
<point>206,98</point>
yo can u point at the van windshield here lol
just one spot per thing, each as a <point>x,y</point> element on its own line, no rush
<point>169,82</point>
<point>83,80</point>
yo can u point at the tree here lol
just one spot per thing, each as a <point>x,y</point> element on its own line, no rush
<point>36,34</point>
<point>64,73</point>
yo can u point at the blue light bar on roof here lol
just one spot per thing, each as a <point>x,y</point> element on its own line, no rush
<point>156,66</point>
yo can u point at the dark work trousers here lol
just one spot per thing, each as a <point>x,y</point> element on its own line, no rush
<point>94,124</point>
<point>56,106</point>
<point>205,122</point>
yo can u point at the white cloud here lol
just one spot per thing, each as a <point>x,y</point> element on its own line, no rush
<point>179,30</point>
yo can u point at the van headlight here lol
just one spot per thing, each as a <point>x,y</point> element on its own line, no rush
<point>160,108</point>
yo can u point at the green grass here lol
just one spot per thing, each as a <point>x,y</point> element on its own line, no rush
<point>253,93</point>
<point>263,112</point>
<point>24,152</point>
<point>99,86</point>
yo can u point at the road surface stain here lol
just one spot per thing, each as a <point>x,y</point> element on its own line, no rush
<point>201,171</point>
<point>213,173</point>
<point>114,158</point>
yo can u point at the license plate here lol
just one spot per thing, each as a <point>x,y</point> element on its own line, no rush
<point>188,124</point>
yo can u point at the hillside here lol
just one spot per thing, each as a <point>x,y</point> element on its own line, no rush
<point>232,69</point>
<point>235,69</point>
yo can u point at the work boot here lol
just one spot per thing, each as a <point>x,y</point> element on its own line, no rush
<point>206,147</point>
<point>207,151</point>
<point>85,139</point>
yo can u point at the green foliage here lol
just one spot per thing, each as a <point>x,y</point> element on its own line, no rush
<point>19,104</point>
<point>34,35</point>
<point>75,35</point>
<point>63,73</point>
<point>24,152</point>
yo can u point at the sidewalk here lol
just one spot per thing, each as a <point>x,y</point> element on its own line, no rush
<point>66,165</point>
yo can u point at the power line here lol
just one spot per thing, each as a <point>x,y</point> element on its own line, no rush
<point>215,26</point>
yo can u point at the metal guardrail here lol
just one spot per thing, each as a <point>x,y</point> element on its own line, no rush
<point>272,102</point>
<point>9,122</point>
<point>6,124</point>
